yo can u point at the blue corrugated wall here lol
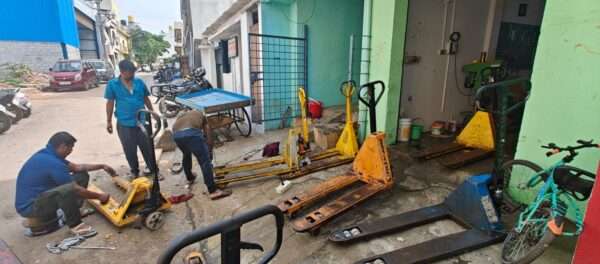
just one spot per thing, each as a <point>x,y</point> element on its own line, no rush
<point>39,20</point>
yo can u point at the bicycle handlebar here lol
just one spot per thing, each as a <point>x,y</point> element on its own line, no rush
<point>555,149</point>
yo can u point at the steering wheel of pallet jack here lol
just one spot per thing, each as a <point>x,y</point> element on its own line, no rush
<point>154,220</point>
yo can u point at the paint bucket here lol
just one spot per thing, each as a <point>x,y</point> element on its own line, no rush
<point>405,124</point>
<point>436,128</point>
<point>415,132</point>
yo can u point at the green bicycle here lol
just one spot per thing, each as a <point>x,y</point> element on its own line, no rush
<point>543,219</point>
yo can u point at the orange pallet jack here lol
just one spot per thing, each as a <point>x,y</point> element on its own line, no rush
<point>370,169</point>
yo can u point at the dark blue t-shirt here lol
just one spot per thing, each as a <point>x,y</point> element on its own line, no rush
<point>43,171</point>
<point>126,103</point>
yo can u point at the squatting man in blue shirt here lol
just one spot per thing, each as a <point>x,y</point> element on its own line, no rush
<point>126,95</point>
<point>48,182</point>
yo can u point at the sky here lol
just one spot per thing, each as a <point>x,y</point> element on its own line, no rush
<point>152,15</point>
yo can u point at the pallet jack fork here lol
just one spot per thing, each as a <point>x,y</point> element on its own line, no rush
<point>470,205</point>
<point>371,169</point>
<point>297,159</point>
<point>143,199</point>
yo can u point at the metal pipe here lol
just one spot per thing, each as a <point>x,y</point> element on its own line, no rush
<point>350,57</point>
<point>445,87</point>
<point>365,63</point>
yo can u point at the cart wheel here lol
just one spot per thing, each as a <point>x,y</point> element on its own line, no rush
<point>242,121</point>
<point>154,221</point>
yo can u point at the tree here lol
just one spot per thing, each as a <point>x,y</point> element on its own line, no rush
<point>147,47</point>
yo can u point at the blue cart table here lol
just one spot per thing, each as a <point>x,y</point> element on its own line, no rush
<point>222,108</point>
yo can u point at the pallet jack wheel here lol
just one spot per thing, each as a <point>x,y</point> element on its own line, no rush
<point>154,221</point>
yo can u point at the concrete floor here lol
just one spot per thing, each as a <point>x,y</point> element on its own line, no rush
<point>83,113</point>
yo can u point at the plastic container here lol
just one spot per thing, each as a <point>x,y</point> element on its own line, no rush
<point>415,132</point>
<point>405,124</point>
<point>315,108</point>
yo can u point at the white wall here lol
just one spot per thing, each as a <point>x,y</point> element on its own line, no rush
<point>430,86</point>
<point>205,12</point>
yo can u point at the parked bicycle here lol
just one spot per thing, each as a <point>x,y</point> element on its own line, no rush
<point>543,220</point>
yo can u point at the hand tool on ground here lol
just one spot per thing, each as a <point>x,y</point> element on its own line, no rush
<point>371,170</point>
<point>230,232</point>
<point>297,159</point>
<point>143,200</point>
<point>482,137</point>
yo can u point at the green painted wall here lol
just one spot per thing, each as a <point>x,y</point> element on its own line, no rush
<point>565,98</point>
<point>388,29</point>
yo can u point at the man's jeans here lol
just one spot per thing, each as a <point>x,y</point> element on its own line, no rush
<point>192,141</point>
<point>133,138</point>
<point>62,197</point>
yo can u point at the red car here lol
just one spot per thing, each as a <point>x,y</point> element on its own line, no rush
<point>72,74</point>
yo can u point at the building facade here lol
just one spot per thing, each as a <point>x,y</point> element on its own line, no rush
<point>24,40</point>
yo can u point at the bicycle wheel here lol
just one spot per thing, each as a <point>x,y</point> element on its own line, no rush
<point>242,121</point>
<point>523,168</point>
<point>526,246</point>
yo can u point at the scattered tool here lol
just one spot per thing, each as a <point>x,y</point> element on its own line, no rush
<point>480,138</point>
<point>297,159</point>
<point>143,200</point>
<point>230,231</point>
<point>371,169</point>
<point>470,205</point>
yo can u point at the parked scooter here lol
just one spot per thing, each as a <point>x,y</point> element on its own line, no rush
<point>6,118</point>
<point>165,93</point>
<point>15,102</point>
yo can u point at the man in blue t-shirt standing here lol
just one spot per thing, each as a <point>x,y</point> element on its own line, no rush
<point>48,182</point>
<point>129,94</point>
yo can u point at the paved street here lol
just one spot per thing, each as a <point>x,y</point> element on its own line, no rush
<point>82,113</point>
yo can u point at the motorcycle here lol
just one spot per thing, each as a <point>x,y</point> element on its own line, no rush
<point>166,93</point>
<point>15,102</point>
<point>6,118</point>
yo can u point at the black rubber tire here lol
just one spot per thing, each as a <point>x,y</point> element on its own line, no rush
<point>18,114</point>
<point>509,167</point>
<point>536,250</point>
<point>27,113</point>
<point>5,123</point>
<point>243,114</point>
<point>164,109</point>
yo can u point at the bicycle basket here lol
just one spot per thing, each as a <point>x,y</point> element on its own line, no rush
<point>576,181</point>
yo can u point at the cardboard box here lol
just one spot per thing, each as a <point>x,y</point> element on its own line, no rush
<point>326,136</point>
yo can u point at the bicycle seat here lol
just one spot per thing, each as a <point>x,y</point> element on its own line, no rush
<point>570,180</point>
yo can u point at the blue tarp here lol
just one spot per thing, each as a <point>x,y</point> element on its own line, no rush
<point>39,20</point>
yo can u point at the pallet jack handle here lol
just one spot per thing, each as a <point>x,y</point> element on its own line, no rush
<point>347,89</point>
<point>303,101</point>
<point>144,121</point>
<point>230,237</point>
<point>370,100</point>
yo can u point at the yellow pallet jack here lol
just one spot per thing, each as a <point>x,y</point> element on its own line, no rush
<point>297,159</point>
<point>143,200</point>
<point>370,170</point>
<point>474,143</point>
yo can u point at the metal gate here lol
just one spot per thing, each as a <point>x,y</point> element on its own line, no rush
<point>278,67</point>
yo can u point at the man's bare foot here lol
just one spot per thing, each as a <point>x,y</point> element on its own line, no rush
<point>218,194</point>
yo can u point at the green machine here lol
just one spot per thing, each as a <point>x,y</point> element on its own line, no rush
<point>481,73</point>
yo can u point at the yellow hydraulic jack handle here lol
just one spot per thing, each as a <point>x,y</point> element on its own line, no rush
<point>297,145</point>
<point>371,168</point>
<point>347,144</point>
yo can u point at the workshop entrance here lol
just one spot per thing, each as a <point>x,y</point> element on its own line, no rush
<point>453,48</point>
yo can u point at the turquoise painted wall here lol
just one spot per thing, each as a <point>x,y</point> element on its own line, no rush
<point>330,24</point>
<point>565,98</point>
<point>388,29</point>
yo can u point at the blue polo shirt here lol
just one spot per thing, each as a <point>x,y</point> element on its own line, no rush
<point>126,103</point>
<point>43,171</point>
